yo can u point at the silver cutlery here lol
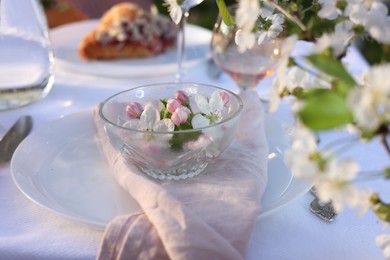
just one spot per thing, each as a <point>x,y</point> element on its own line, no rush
<point>14,137</point>
<point>324,211</point>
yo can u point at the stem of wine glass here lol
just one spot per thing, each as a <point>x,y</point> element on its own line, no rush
<point>263,99</point>
<point>181,49</point>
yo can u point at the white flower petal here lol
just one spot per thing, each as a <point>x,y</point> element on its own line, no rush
<point>199,121</point>
<point>261,37</point>
<point>149,117</point>
<point>383,240</point>
<point>202,104</point>
<point>132,124</point>
<point>247,13</point>
<point>215,102</point>
<point>165,125</point>
<point>348,169</point>
<point>175,11</point>
<point>245,40</point>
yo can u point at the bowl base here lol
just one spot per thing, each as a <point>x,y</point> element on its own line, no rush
<point>175,174</point>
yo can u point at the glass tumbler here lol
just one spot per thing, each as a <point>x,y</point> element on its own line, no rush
<point>26,57</point>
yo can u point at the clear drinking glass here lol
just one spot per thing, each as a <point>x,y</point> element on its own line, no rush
<point>26,58</point>
<point>247,68</point>
<point>181,43</point>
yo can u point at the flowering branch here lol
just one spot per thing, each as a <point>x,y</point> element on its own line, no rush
<point>288,15</point>
<point>385,143</point>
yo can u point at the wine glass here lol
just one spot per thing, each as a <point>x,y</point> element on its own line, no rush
<point>249,67</point>
<point>181,48</point>
<point>26,58</point>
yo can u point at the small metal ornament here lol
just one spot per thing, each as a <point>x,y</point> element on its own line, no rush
<point>324,211</point>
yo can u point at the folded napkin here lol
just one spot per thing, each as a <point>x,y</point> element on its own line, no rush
<point>210,216</point>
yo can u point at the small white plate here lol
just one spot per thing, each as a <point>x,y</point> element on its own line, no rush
<point>65,41</point>
<point>61,168</point>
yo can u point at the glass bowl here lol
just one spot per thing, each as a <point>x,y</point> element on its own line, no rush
<point>171,131</point>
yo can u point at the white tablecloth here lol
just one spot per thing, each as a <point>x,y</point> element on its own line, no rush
<point>28,231</point>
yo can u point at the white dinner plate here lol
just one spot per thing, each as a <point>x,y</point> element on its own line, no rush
<point>61,168</point>
<point>65,40</point>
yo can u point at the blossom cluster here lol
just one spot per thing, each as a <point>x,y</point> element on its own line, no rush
<point>176,113</point>
<point>326,93</point>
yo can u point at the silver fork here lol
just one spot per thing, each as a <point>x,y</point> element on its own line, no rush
<point>324,211</point>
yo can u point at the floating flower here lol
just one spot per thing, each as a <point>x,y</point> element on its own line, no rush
<point>210,110</point>
<point>173,104</point>
<point>224,97</point>
<point>181,96</point>
<point>133,110</point>
<point>177,114</point>
<point>150,121</point>
<point>180,115</point>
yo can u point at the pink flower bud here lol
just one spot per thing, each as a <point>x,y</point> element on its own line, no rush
<point>224,96</point>
<point>173,104</point>
<point>181,96</point>
<point>133,110</point>
<point>180,116</point>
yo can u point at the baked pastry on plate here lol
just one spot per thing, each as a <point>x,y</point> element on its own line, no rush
<point>128,31</point>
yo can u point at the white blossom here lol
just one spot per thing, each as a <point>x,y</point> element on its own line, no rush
<point>246,18</point>
<point>335,41</point>
<point>246,14</point>
<point>244,40</point>
<point>383,241</point>
<point>267,9</point>
<point>378,22</point>
<point>274,30</point>
<point>299,155</point>
<point>358,13</point>
<point>150,121</point>
<point>344,28</point>
<point>174,10</point>
<point>328,9</point>
<point>335,185</point>
<point>210,113</point>
<point>370,103</point>
<point>280,82</point>
<point>297,77</point>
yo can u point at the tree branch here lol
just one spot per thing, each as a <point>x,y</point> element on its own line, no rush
<point>289,16</point>
<point>385,143</point>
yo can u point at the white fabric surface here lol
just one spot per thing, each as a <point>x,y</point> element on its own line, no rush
<point>28,231</point>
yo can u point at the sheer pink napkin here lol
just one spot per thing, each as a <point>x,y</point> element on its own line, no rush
<point>210,216</point>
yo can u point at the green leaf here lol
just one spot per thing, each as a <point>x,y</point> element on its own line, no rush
<point>381,209</point>
<point>387,172</point>
<point>324,109</point>
<point>332,67</point>
<point>179,139</point>
<point>224,12</point>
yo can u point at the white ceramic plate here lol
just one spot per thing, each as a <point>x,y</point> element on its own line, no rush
<point>66,38</point>
<point>61,168</point>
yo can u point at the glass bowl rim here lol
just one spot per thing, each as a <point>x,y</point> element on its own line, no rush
<point>230,117</point>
